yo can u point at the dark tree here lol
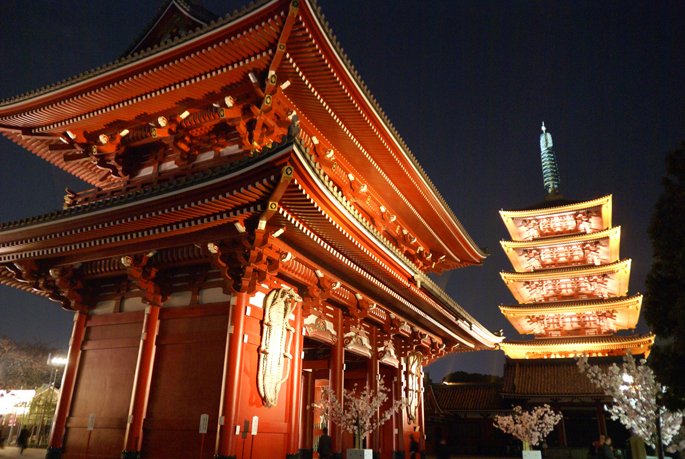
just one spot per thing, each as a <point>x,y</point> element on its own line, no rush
<point>24,365</point>
<point>664,301</point>
<point>464,377</point>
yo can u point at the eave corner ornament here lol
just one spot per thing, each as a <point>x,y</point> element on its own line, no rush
<point>275,359</point>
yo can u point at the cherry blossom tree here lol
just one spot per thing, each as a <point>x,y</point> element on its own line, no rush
<point>531,427</point>
<point>637,402</point>
<point>358,414</point>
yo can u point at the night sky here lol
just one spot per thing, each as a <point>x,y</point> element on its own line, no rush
<point>466,83</point>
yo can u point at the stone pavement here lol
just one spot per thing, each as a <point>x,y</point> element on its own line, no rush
<point>29,453</point>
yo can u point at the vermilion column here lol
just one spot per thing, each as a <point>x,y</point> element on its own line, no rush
<point>562,427</point>
<point>398,417</point>
<point>295,383</point>
<point>141,384</point>
<point>337,379</point>
<point>226,438</point>
<point>307,415</point>
<point>601,420</point>
<point>422,420</point>
<point>373,372</point>
<point>67,389</point>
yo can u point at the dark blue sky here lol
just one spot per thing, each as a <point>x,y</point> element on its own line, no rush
<point>466,83</point>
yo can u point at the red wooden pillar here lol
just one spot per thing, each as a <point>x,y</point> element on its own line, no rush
<point>141,384</point>
<point>67,389</point>
<point>601,420</point>
<point>372,375</point>
<point>422,419</point>
<point>295,385</point>
<point>562,427</point>
<point>398,417</point>
<point>307,415</point>
<point>226,439</point>
<point>337,379</point>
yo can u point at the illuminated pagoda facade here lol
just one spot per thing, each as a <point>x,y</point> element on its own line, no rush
<point>572,291</point>
<point>256,230</point>
<point>569,281</point>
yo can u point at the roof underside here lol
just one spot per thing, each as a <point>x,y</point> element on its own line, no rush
<point>326,93</point>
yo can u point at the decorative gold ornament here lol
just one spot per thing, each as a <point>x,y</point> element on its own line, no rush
<point>277,335</point>
<point>414,360</point>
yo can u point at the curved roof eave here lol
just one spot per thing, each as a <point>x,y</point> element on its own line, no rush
<point>387,126</point>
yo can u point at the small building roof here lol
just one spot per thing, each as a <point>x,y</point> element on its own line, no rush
<point>466,396</point>
<point>548,377</point>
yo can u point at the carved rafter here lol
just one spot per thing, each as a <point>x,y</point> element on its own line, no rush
<point>594,286</point>
<point>356,314</point>
<point>593,323</point>
<point>63,285</point>
<point>435,351</point>
<point>147,278</point>
<point>252,116</point>
<point>246,260</point>
<point>315,295</point>
<point>571,254</point>
<point>558,224</point>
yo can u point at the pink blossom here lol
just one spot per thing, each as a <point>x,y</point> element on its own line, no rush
<point>529,426</point>
<point>636,392</point>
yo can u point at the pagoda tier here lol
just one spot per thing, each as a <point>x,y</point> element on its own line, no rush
<point>569,281</point>
<point>558,217</point>
<point>572,318</point>
<point>563,284</point>
<point>593,346</point>
<point>597,248</point>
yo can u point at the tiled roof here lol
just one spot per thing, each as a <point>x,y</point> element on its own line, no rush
<point>585,339</point>
<point>549,377</point>
<point>580,270</point>
<point>467,396</point>
<point>559,201</point>
<point>593,303</point>
<point>147,192</point>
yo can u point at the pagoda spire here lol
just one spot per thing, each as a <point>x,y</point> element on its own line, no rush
<point>550,171</point>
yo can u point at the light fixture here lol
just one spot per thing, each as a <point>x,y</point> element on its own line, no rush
<point>58,361</point>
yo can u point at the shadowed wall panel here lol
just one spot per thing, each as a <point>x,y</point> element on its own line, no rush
<point>186,382</point>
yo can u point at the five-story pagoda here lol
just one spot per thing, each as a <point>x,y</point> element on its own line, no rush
<point>571,285</point>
